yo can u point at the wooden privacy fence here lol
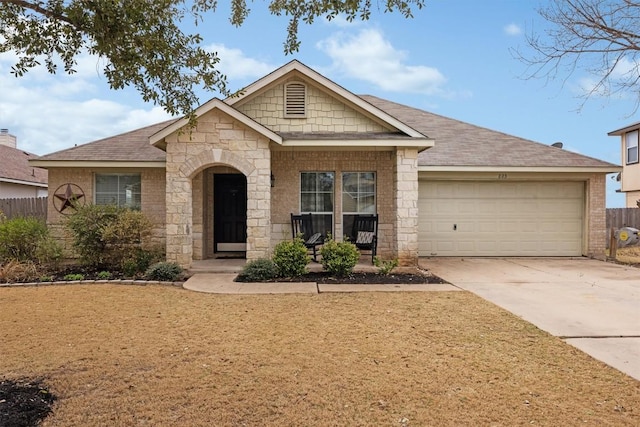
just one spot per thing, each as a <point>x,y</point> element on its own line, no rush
<point>622,217</point>
<point>29,207</point>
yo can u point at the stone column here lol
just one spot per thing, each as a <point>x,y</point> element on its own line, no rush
<point>406,180</point>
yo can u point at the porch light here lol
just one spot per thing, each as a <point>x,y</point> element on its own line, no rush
<point>273,180</point>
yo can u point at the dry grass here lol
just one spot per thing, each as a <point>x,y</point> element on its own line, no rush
<point>628,255</point>
<point>128,355</point>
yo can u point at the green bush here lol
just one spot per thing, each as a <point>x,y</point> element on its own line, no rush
<point>73,277</point>
<point>104,275</point>
<point>164,272</point>
<point>27,239</point>
<point>385,266</point>
<point>109,236</point>
<point>258,270</point>
<point>339,258</point>
<point>291,258</point>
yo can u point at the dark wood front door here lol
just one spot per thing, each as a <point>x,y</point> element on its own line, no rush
<point>230,212</point>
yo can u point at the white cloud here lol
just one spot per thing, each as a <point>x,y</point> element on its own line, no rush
<point>368,56</point>
<point>513,30</point>
<point>235,65</point>
<point>52,112</point>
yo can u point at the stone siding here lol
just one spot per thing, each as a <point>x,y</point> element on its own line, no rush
<point>218,140</point>
<point>324,113</point>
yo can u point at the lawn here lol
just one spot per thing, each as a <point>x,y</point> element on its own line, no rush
<point>158,355</point>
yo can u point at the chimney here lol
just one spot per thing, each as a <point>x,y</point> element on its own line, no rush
<point>7,139</point>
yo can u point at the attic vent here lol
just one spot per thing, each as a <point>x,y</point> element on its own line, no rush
<point>295,97</point>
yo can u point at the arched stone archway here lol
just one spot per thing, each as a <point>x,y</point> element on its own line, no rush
<point>191,159</point>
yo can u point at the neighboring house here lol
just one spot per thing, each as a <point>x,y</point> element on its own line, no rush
<point>296,142</point>
<point>19,179</point>
<point>630,177</point>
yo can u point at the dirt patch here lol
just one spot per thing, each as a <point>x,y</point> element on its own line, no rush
<point>24,403</point>
<point>157,355</point>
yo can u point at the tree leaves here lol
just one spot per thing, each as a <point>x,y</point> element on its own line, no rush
<point>141,41</point>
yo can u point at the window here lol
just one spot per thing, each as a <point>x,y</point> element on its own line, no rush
<point>118,189</point>
<point>316,197</point>
<point>295,100</point>
<point>358,196</point>
<point>631,143</point>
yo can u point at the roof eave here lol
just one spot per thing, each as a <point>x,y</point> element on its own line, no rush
<point>45,164</point>
<point>419,143</point>
<point>23,182</point>
<point>619,132</point>
<point>514,169</point>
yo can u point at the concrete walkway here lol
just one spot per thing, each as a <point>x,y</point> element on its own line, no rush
<point>221,283</point>
<point>592,305</point>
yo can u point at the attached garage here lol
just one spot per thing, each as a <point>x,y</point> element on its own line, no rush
<point>498,218</point>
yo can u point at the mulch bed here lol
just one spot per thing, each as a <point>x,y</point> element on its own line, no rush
<point>364,278</point>
<point>24,403</point>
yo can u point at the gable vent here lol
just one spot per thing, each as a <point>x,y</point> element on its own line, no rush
<point>295,97</point>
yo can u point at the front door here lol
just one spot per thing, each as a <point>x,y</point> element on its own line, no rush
<point>230,212</point>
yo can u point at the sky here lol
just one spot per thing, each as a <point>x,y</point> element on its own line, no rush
<point>454,58</point>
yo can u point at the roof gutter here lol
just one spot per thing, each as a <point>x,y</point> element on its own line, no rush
<point>514,169</point>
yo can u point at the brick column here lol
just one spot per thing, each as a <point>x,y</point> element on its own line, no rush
<point>406,180</point>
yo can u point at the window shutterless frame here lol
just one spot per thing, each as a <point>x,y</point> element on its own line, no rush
<point>122,190</point>
<point>316,197</point>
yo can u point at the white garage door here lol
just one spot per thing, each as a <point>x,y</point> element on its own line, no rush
<point>464,218</point>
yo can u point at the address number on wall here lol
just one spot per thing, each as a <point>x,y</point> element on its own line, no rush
<point>502,176</point>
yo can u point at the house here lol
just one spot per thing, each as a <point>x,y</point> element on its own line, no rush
<point>294,141</point>
<point>630,177</point>
<point>19,179</point>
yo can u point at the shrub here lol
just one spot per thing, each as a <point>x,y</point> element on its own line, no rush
<point>104,275</point>
<point>27,239</point>
<point>109,236</point>
<point>164,272</point>
<point>14,271</point>
<point>291,258</point>
<point>258,270</point>
<point>385,266</point>
<point>73,277</point>
<point>339,258</point>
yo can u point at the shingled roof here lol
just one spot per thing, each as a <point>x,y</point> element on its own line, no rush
<point>14,165</point>
<point>131,146</point>
<point>462,144</point>
<point>457,144</point>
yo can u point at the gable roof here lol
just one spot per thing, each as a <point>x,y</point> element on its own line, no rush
<point>157,139</point>
<point>463,145</point>
<point>126,149</point>
<point>458,146</point>
<point>15,167</point>
<point>296,67</point>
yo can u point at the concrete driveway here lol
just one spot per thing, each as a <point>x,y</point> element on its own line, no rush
<point>592,305</point>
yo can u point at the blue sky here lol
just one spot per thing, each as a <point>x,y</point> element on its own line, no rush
<point>454,58</point>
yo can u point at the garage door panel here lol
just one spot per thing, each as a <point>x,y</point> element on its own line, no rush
<point>500,218</point>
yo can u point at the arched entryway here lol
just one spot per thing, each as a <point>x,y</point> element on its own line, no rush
<point>191,212</point>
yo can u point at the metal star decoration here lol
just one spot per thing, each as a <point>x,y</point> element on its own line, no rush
<point>71,197</point>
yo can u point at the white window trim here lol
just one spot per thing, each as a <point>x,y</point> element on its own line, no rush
<point>631,142</point>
